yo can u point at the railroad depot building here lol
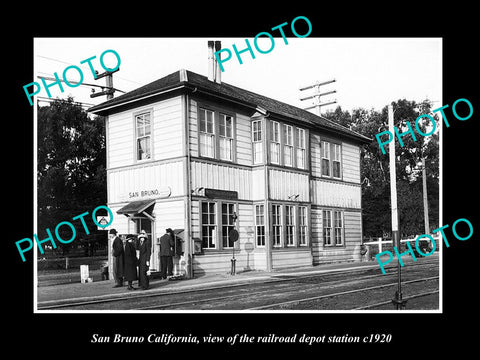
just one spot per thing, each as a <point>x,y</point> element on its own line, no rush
<point>193,153</point>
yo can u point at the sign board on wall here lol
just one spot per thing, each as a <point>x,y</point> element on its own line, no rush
<point>157,193</point>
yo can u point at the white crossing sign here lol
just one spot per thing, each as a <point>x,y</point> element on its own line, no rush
<point>103,220</point>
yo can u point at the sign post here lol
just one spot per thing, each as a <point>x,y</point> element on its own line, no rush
<point>233,236</point>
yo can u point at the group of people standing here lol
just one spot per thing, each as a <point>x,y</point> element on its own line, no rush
<point>125,260</point>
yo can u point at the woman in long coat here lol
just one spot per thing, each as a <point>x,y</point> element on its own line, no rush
<point>118,255</point>
<point>144,245</point>
<point>131,262</point>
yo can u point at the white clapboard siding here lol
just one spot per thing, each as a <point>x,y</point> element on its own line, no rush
<point>222,177</point>
<point>330,193</point>
<point>351,163</point>
<point>258,184</point>
<point>166,133</point>
<point>286,183</point>
<point>145,177</point>
<point>352,233</point>
<point>168,127</point>
<point>193,128</point>
<point>350,159</point>
<point>286,258</point>
<point>244,140</point>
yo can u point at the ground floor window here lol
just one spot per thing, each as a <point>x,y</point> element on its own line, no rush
<point>217,219</point>
<point>209,225</point>
<point>333,228</point>
<point>228,209</point>
<point>277,225</point>
<point>289,225</point>
<point>260,225</point>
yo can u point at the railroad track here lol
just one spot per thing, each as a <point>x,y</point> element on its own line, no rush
<point>283,284</point>
<point>285,304</point>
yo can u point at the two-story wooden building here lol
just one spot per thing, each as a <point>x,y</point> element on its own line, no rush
<point>188,151</point>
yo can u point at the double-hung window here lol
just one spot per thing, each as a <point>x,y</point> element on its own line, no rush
<point>301,148</point>
<point>276,225</point>
<point>290,225</point>
<point>225,132</point>
<point>143,136</point>
<point>333,228</point>
<point>257,139</point>
<point>331,159</point>
<point>260,225</point>
<point>207,133</point>
<point>302,225</point>
<point>275,142</point>
<point>288,147</point>
<point>336,160</point>
<point>209,225</point>
<point>227,224</point>
<point>325,151</point>
<point>338,227</point>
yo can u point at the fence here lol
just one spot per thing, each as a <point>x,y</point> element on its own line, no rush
<point>376,247</point>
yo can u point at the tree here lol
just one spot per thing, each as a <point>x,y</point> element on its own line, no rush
<point>71,165</point>
<point>374,168</point>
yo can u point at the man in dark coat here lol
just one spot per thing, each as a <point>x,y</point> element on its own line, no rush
<point>131,261</point>
<point>145,250</point>
<point>117,258</point>
<point>166,253</point>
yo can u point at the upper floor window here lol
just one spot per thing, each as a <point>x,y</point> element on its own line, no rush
<point>225,132</point>
<point>331,159</point>
<point>275,142</point>
<point>216,134</point>
<point>301,148</point>
<point>143,136</point>
<point>336,160</point>
<point>288,148</point>
<point>325,151</point>
<point>257,139</point>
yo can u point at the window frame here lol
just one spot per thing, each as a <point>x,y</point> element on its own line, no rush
<point>213,225</point>
<point>275,141</point>
<point>225,137</point>
<point>257,141</point>
<point>301,148</point>
<point>302,225</point>
<point>258,225</point>
<point>229,226</point>
<point>331,220</point>
<point>290,225</point>
<point>277,226</point>
<point>136,115</point>
<point>215,135</point>
<point>334,150</point>
<point>288,145</point>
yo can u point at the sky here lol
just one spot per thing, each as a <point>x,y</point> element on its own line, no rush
<point>369,72</point>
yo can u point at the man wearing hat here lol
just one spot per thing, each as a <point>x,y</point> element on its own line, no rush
<point>166,253</point>
<point>118,255</point>
<point>145,250</point>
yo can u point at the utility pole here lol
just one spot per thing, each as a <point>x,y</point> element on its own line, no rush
<point>109,84</point>
<point>398,302</point>
<point>425,197</point>
<point>316,96</point>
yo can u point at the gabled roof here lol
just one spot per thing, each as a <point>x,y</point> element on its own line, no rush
<point>188,79</point>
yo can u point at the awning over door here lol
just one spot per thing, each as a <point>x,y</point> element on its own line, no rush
<point>139,207</point>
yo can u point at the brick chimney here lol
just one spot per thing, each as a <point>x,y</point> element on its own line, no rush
<point>214,72</point>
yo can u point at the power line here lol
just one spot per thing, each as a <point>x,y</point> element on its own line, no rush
<point>67,63</point>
